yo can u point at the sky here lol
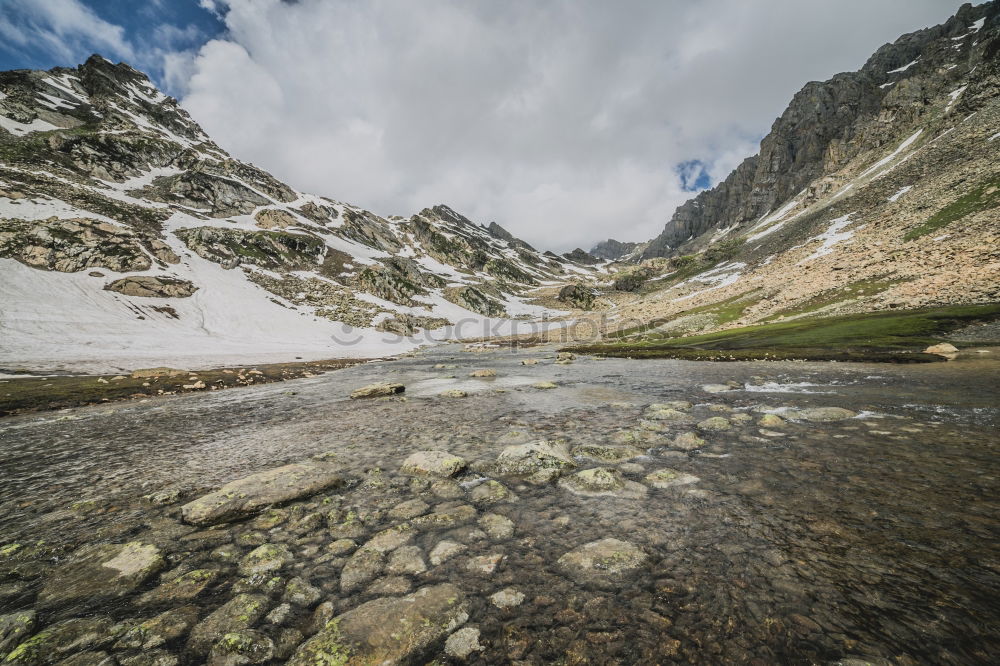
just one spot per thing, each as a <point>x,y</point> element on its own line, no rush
<point>565,121</point>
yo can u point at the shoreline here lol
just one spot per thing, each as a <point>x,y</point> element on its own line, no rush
<point>23,393</point>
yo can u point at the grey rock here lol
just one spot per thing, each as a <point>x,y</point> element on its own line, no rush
<point>102,571</point>
<point>239,613</point>
<point>390,630</point>
<point>256,492</point>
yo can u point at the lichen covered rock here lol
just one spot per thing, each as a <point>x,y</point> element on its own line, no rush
<point>390,630</point>
<point>256,492</point>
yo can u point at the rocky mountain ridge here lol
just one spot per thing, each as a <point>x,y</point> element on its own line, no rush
<point>116,204</point>
<point>828,124</point>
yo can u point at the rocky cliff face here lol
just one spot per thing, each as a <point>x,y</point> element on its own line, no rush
<point>828,124</point>
<point>612,249</point>
<point>111,196</point>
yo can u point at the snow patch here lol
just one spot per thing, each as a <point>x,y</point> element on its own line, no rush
<point>901,192</point>
<point>904,67</point>
<point>20,129</point>
<point>830,237</point>
<point>953,96</point>
<point>885,160</point>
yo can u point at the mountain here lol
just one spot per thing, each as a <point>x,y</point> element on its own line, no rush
<point>875,190</point>
<point>127,236</point>
<point>830,125</point>
<point>612,249</point>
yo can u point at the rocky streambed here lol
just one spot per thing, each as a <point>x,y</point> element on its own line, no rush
<point>513,507</point>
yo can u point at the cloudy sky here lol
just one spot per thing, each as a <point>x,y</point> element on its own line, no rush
<point>566,121</point>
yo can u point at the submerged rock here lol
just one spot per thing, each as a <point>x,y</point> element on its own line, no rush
<point>607,453</point>
<point>507,598</point>
<point>445,550</point>
<point>241,647</point>
<point>665,414</point>
<point>377,390</point>
<point>14,628</point>
<point>186,586</point>
<point>433,463</point>
<point>63,639</point>
<point>602,482</point>
<point>491,492</point>
<point>770,421</point>
<point>687,441</point>
<point>239,613</point>
<point>541,460</point>
<point>822,414</point>
<point>497,527</point>
<point>665,478</point>
<point>102,571</point>
<point>603,563</point>
<point>265,559</point>
<point>390,630</point>
<point>157,631</point>
<point>256,492</point>
<point>463,643</point>
<point>715,423</point>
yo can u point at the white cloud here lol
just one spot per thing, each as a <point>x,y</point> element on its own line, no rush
<point>62,27</point>
<point>562,121</point>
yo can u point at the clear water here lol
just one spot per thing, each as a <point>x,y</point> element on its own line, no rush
<point>874,537</point>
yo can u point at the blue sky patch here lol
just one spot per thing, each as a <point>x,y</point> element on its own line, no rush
<point>693,175</point>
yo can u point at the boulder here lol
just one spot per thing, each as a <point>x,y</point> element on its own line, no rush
<point>391,630</point>
<point>497,527</point>
<point>183,588</point>
<point>239,613</point>
<point>602,482</point>
<point>102,571</point>
<point>159,630</point>
<point>577,296</point>
<point>152,286</point>
<point>463,643</point>
<point>491,492</point>
<point>433,463</point>
<point>377,390</point>
<point>241,647</point>
<point>770,421</point>
<point>715,423</point>
<point>823,414</point>
<point>687,441</point>
<point>265,559</point>
<point>507,598</point>
<point>945,349</point>
<point>445,550</point>
<point>541,460</point>
<point>63,639</point>
<point>666,478</point>
<point>14,628</point>
<point>664,414</point>
<point>256,492</point>
<point>275,218</point>
<point>604,563</point>
<point>607,453</point>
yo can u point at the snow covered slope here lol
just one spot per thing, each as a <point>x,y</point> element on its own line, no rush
<point>128,239</point>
